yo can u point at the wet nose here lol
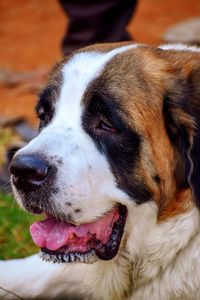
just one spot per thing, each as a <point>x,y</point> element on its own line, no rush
<point>28,171</point>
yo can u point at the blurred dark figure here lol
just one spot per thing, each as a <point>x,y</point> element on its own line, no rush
<point>92,21</point>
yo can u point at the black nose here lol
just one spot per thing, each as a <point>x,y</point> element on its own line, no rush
<point>28,171</point>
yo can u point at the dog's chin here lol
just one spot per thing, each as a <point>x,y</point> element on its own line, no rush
<point>64,242</point>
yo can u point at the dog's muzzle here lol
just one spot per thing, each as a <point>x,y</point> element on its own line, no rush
<point>61,241</point>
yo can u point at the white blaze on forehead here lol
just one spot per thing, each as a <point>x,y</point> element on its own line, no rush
<point>78,73</point>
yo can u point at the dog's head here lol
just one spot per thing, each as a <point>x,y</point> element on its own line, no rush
<point>119,129</point>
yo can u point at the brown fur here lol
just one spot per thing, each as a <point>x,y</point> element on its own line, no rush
<point>143,77</point>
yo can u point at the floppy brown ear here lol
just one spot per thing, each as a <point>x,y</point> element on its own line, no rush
<point>181,111</point>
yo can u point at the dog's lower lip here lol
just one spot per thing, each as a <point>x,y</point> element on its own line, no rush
<point>91,246</point>
<point>33,209</point>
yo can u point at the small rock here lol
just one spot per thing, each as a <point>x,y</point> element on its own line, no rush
<point>187,32</point>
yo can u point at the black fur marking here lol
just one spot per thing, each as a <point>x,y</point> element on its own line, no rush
<point>157,179</point>
<point>194,105</point>
<point>179,138</point>
<point>186,97</point>
<point>122,148</point>
<point>45,105</point>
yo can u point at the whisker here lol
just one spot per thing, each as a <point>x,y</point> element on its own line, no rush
<point>11,293</point>
<point>6,187</point>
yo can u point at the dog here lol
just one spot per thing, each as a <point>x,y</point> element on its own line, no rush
<point>115,169</point>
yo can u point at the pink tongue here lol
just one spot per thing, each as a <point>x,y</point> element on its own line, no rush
<point>54,234</point>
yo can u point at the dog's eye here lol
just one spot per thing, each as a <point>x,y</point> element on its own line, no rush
<point>106,125</point>
<point>43,117</point>
<point>41,114</point>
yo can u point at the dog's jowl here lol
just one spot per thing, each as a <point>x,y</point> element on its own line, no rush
<point>115,174</point>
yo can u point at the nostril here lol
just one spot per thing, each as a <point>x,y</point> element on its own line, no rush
<point>28,170</point>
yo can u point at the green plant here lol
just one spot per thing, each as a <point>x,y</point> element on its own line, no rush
<point>15,240</point>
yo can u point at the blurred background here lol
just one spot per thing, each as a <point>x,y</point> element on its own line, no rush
<point>31,32</point>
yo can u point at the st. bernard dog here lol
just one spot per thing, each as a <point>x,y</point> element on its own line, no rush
<point>115,170</point>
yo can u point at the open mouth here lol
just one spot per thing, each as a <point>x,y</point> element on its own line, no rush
<point>61,241</point>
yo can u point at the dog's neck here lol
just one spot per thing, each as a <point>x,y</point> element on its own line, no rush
<point>160,244</point>
<point>114,280</point>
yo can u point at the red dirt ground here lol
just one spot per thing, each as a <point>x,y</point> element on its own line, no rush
<point>31,32</point>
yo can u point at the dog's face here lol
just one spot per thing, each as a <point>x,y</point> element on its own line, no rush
<point>115,135</point>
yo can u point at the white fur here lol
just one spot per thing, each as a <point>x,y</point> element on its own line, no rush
<point>156,261</point>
